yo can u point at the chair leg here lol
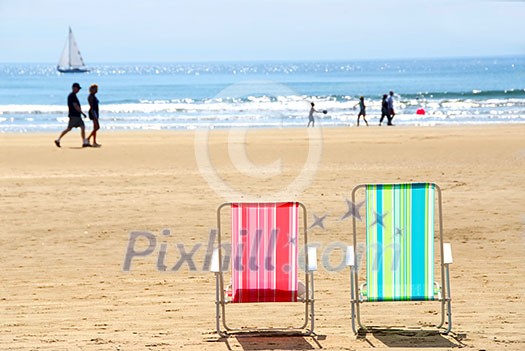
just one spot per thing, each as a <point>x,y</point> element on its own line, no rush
<point>448,301</point>
<point>449,314</point>
<point>311,302</point>
<point>353,300</point>
<point>217,304</point>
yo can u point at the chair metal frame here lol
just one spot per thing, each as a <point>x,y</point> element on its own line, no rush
<point>221,297</point>
<point>443,295</point>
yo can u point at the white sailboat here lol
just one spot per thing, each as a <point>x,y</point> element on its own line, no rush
<point>71,60</point>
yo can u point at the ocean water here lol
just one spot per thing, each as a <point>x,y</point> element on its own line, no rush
<point>267,94</point>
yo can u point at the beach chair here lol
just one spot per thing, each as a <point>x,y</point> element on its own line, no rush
<point>265,255</point>
<point>400,249</point>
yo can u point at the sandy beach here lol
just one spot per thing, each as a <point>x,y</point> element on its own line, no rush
<point>67,214</point>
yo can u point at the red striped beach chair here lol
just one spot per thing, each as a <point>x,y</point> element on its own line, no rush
<point>400,258</point>
<point>265,249</point>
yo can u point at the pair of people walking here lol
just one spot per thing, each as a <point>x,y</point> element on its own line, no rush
<point>387,108</point>
<point>75,115</point>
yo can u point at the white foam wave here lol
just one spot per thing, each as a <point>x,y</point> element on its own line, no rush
<point>265,103</point>
<point>32,109</point>
<point>268,111</point>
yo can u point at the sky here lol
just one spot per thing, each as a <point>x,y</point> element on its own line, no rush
<point>34,31</point>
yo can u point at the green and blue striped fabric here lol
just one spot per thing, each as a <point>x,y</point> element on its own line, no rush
<point>400,241</point>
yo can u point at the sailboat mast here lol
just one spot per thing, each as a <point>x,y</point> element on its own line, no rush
<point>69,41</point>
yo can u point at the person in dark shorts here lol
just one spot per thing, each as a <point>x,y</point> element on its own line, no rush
<point>391,112</point>
<point>362,110</point>
<point>75,119</point>
<point>93,113</point>
<point>384,109</point>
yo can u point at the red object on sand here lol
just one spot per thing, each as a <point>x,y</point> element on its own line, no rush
<point>420,111</point>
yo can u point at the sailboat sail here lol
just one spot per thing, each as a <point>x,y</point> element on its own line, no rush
<point>71,59</point>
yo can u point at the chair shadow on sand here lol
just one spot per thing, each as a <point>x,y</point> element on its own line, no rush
<point>281,342</point>
<point>412,338</point>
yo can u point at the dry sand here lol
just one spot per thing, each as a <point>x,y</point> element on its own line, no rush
<point>66,217</point>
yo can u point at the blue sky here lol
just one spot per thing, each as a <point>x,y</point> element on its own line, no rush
<point>211,30</point>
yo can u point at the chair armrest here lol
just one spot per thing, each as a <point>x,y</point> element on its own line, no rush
<point>350,256</point>
<point>447,253</point>
<point>311,265</point>
<point>215,262</point>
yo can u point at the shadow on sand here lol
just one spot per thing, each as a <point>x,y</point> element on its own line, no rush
<point>277,343</point>
<point>412,338</point>
<point>272,342</point>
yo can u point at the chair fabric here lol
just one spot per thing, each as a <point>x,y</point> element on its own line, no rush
<point>400,242</point>
<point>265,252</point>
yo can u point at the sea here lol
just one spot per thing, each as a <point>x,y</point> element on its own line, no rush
<point>269,94</point>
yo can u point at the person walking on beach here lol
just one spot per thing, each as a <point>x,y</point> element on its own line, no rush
<point>391,112</point>
<point>93,113</point>
<point>384,109</point>
<point>75,119</point>
<point>362,110</point>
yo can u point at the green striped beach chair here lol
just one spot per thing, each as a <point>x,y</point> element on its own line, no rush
<point>400,258</point>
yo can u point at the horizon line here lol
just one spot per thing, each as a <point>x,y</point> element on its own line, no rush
<point>288,60</point>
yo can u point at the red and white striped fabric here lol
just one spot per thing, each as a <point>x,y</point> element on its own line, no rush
<point>264,252</point>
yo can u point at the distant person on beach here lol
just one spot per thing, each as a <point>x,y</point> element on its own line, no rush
<point>75,119</point>
<point>384,109</point>
<point>311,115</point>
<point>391,112</point>
<point>362,110</point>
<point>93,113</point>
